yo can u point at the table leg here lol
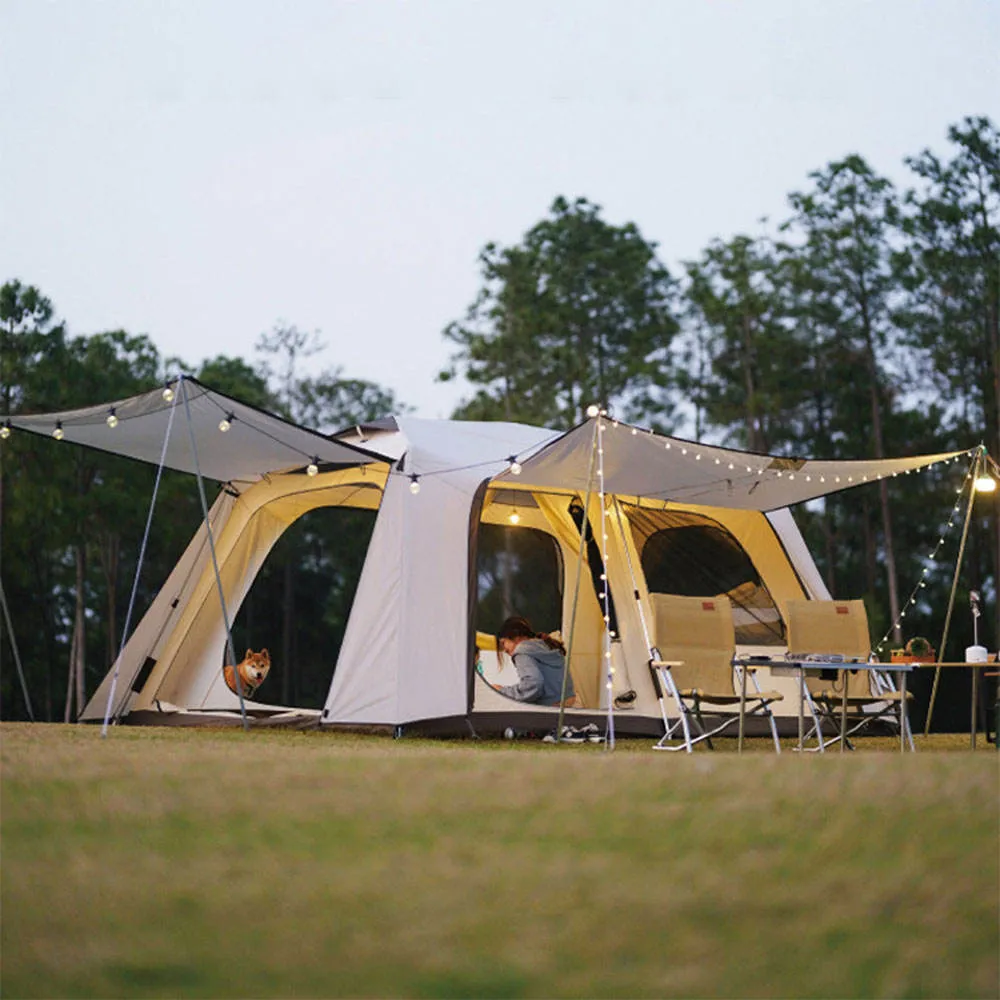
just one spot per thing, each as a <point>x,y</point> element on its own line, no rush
<point>743,704</point>
<point>802,706</point>
<point>901,685</point>
<point>975,692</point>
<point>843,714</point>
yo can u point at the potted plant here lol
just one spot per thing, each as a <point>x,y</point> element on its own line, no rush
<point>917,650</point>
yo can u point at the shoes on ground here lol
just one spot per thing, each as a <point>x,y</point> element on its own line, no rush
<point>571,734</point>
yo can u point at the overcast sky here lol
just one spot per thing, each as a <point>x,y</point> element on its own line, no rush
<point>199,171</point>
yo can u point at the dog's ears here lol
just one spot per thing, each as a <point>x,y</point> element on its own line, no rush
<point>249,654</point>
<point>264,652</point>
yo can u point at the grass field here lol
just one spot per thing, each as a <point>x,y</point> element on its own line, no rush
<point>212,863</point>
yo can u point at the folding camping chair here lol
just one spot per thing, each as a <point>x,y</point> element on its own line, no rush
<point>694,647</point>
<point>831,632</point>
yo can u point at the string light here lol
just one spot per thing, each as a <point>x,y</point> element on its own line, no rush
<point>606,598</point>
<point>58,432</point>
<point>925,572</point>
<point>226,422</point>
<point>112,420</point>
<point>593,410</point>
<point>514,517</point>
<point>515,466</point>
<point>168,393</point>
<point>5,430</point>
<point>313,467</point>
<point>414,484</point>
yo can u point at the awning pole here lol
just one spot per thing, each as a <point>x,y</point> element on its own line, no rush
<point>579,573</point>
<point>976,466</point>
<point>215,562</point>
<point>110,707</point>
<point>17,655</point>
<point>606,596</point>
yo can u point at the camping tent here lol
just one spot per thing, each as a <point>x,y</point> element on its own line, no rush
<point>677,516</point>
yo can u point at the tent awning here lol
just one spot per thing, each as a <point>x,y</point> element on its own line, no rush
<point>642,464</point>
<point>256,443</point>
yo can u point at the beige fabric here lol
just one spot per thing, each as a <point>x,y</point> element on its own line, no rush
<point>189,669</point>
<point>699,631</point>
<point>588,641</point>
<point>835,628</point>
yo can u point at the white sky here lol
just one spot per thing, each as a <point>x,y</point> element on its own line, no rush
<point>200,170</point>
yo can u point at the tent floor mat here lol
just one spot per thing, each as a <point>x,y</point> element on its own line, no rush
<point>292,719</point>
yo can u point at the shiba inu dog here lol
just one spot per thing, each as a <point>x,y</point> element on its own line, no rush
<point>253,672</point>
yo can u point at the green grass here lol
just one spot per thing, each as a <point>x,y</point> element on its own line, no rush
<point>211,863</point>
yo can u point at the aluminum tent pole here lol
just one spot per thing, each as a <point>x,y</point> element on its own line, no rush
<point>976,466</point>
<point>579,572</point>
<point>110,707</point>
<point>215,561</point>
<point>17,655</point>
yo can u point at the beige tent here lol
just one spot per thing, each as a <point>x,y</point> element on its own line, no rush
<point>678,517</point>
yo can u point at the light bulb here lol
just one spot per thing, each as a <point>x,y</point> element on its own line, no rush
<point>168,394</point>
<point>112,420</point>
<point>226,422</point>
<point>514,517</point>
<point>593,410</point>
<point>515,466</point>
<point>58,432</point>
<point>985,484</point>
<point>312,468</point>
<point>5,431</point>
<point>414,485</point>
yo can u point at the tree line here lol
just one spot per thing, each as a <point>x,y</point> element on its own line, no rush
<point>864,324</point>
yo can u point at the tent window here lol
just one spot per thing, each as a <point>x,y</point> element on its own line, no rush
<point>693,556</point>
<point>300,601</point>
<point>519,572</point>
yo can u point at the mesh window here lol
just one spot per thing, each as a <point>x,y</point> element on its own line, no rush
<point>690,555</point>
<point>519,572</point>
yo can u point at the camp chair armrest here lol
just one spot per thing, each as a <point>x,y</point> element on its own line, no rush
<point>655,664</point>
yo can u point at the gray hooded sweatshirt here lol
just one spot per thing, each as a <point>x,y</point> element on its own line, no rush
<point>540,671</point>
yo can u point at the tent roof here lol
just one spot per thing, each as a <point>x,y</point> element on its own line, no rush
<point>257,443</point>
<point>640,463</point>
<point>637,462</point>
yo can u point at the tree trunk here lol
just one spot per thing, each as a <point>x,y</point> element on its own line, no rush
<point>830,548</point>
<point>70,686</point>
<point>878,443</point>
<point>871,553</point>
<point>110,556</point>
<point>754,436</point>
<point>81,645</point>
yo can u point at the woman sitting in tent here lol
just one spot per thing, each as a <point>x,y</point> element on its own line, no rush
<point>539,660</point>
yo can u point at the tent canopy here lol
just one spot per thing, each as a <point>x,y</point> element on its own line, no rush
<point>639,463</point>
<point>256,443</point>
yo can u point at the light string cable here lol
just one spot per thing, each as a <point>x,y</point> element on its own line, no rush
<point>138,570</point>
<point>605,593</point>
<point>932,557</point>
<point>513,465</point>
<point>215,562</point>
<point>229,418</point>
